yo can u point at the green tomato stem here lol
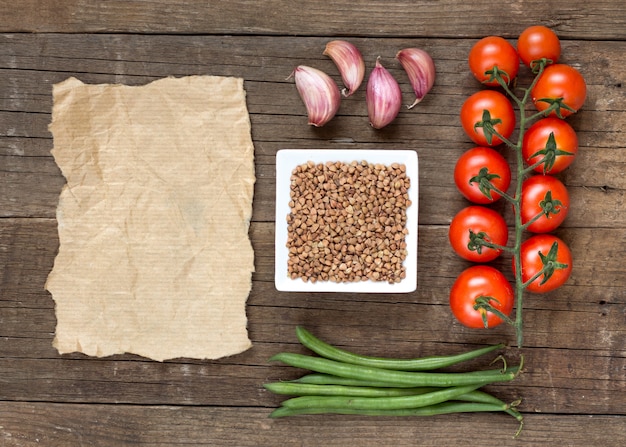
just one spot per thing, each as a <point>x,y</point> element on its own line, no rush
<point>515,200</point>
<point>484,303</point>
<point>534,277</point>
<point>533,220</point>
<point>532,167</point>
<point>504,195</point>
<point>488,244</point>
<point>519,228</point>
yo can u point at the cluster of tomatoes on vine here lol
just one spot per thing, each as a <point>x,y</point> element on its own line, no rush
<point>545,146</point>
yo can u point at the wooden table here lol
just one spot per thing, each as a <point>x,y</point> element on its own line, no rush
<point>573,386</point>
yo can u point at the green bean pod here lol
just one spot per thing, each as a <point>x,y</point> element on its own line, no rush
<point>379,403</point>
<point>306,389</point>
<point>295,388</point>
<point>417,364</point>
<point>431,410</point>
<point>397,378</point>
<point>328,379</point>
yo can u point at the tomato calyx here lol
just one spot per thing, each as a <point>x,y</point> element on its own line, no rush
<point>550,265</point>
<point>476,241</point>
<point>539,64</point>
<point>483,179</point>
<point>497,75</point>
<point>488,125</point>
<point>549,206</point>
<point>483,305</point>
<point>556,105</point>
<point>549,153</point>
<point>479,240</point>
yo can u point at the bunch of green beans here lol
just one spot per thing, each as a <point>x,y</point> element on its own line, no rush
<point>343,382</point>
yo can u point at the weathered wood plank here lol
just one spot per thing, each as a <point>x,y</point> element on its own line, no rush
<point>33,424</point>
<point>554,381</point>
<point>596,19</point>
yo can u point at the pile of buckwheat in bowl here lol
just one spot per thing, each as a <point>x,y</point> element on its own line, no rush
<point>347,222</point>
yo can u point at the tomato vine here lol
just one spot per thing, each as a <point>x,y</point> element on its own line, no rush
<point>554,98</point>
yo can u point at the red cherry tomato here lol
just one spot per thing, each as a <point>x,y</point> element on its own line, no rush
<point>545,250</point>
<point>551,141</point>
<point>493,51</point>
<point>481,283</point>
<point>538,42</point>
<point>559,82</point>
<point>541,194</point>
<point>474,224</point>
<point>499,109</point>
<point>478,166</point>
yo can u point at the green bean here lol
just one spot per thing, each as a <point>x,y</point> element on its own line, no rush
<point>305,389</point>
<point>322,380</point>
<point>294,388</point>
<point>431,410</point>
<point>328,379</point>
<point>398,378</point>
<point>418,364</point>
<point>379,403</point>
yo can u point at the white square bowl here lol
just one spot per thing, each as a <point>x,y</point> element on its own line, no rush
<point>286,161</point>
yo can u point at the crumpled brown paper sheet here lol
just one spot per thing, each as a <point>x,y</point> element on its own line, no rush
<point>154,256</point>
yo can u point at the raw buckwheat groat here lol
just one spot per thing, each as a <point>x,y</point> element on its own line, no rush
<point>348,222</point>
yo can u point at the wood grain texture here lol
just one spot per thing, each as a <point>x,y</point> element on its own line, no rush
<point>594,19</point>
<point>573,386</point>
<point>34,424</point>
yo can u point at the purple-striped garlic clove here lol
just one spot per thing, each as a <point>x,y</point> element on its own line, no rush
<point>319,93</point>
<point>383,97</point>
<point>420,68</point>
<point>349,62</point>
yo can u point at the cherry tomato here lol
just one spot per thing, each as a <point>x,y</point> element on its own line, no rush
<point>547,195</point>
<point>549,251</point>
<point>493,51</point>
<point>474,224</point>
<point>482,283</point>
<point>499,112</point>
<point>538,42</point>
<point>559,82</point>
<point>478,166</point>
<point>553,141</point>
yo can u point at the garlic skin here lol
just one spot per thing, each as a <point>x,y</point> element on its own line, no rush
<point>350,63</point>
<point>383,97</point>
<point>421,70</point>
<point>319,93</point>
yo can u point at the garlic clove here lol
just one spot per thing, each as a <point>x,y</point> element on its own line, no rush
<point>319,93</point>
<point>350,63</point>
<point>383,97</point>
<point>421,70</point>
